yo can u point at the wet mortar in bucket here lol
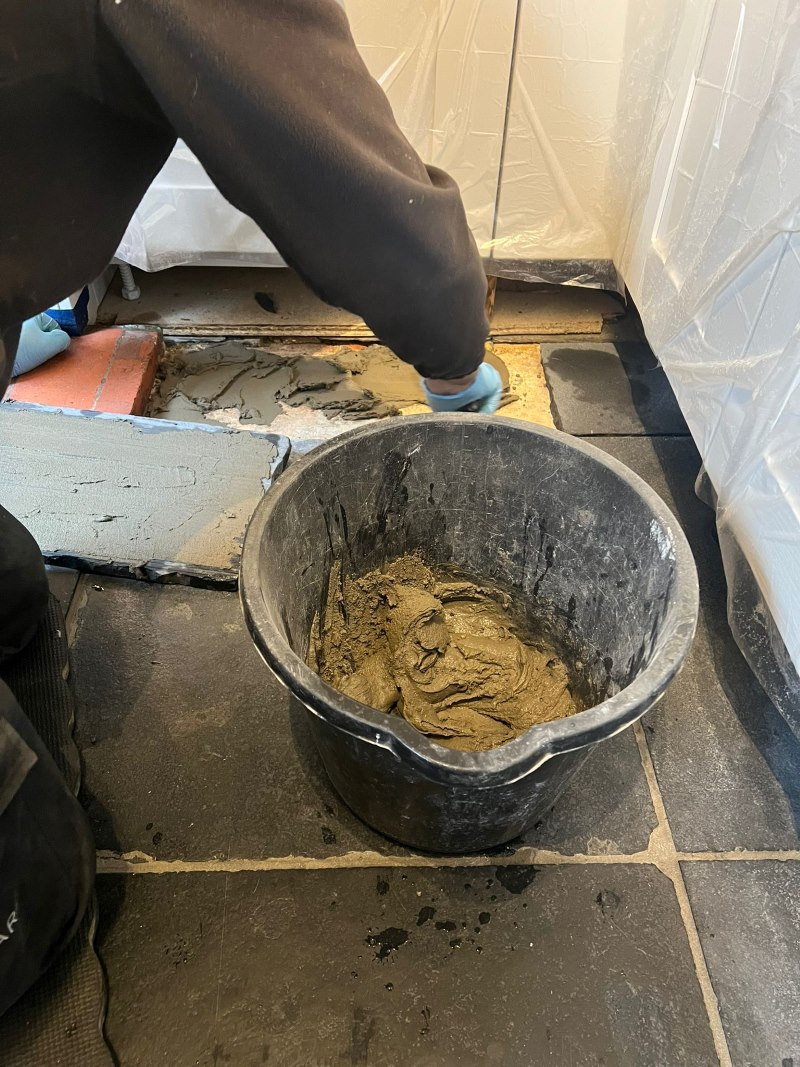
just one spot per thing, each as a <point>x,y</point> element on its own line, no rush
<point>459,659</point>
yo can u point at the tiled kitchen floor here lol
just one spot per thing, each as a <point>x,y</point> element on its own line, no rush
<point>248,918</point>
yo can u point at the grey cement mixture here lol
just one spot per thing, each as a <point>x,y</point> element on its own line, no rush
<point>348,382</point>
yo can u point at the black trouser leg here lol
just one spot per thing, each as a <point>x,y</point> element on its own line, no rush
<point>23,583</point>
<point>46,848</point>
<point>46,855</point>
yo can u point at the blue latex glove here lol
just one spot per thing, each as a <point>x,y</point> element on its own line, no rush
<point>483,395</point>
<point>40,339</point>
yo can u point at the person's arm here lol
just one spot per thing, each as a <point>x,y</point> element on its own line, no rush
<point>274,99</point>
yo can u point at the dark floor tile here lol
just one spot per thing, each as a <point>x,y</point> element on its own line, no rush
<point>584,964</point>
<point>606,808</point>
<point>62,583</point>
<point>748,917</point>
<point>727,763</point>
<point>610,389</point>
<point>188,745</point>
<point>192,750</point>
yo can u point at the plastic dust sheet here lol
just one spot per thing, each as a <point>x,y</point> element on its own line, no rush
<point>653,144</point>
<point>183,219</point>
<point>710,249</point>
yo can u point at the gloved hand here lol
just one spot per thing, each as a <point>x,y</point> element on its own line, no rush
<point>40,339</point>
<point>483,395</point>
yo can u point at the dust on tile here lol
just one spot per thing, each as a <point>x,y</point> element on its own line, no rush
<point>528,396</point>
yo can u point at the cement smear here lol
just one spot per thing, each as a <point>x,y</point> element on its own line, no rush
<point>130,490</point>
<point>259,383</point>
<point>443,652</point>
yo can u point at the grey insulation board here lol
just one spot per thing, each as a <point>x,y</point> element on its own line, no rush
<point>125,494</point>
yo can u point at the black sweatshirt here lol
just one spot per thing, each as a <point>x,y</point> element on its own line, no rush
<point>274,99</point>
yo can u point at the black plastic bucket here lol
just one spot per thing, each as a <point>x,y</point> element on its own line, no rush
<point>573,532</point>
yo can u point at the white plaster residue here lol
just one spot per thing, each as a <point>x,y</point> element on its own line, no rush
<point>662,539</point>
<point>296,423</point>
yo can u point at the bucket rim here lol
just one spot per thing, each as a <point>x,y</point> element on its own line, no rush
<point>523,755</point>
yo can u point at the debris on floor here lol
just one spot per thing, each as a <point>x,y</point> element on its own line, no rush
<point>269,302</point>
<point>525,313</point>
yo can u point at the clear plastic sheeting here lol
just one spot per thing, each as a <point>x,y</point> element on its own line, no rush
<point>710,249</point>
<point>554,202</point>
<point>655,144</point>
<point>184,220</point>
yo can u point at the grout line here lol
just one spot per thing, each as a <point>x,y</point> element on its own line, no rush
<point>66,609</point>
<point>141,863</point>
<point>790,855</point>
<point>662,846</point>
<point>109,862</point>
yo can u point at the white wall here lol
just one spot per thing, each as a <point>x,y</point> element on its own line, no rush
<point>554,200</point>
<point>445,66</point>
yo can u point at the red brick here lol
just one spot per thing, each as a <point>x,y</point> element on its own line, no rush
<point>106,370</point>
<point>131,373</point>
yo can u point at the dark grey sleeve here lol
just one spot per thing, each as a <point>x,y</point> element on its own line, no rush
<point>274,99</point>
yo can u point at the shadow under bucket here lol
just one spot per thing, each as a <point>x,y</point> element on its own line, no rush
<point>578,538</point>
